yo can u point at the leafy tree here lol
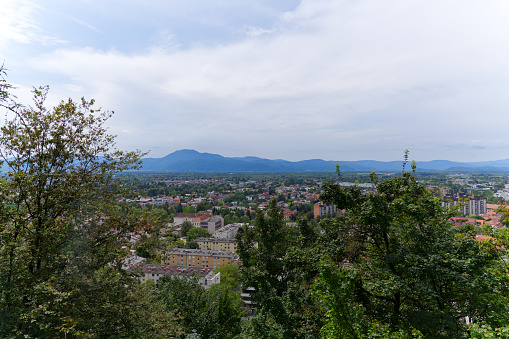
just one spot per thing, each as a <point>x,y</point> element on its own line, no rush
<point>203,206</point>
<point>230,275</point>
<point>179,209</point>
<point>160,213</point>
<point>212,313</point>
<point>62,230</point>
<point>197,232</point>
<point>393,258</point>
<point>281,269</point>
<point>186,227</point>
<point>189,209</point>
<point>192,245</point>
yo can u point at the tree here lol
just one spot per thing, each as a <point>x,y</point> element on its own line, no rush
<point>179,209</point>
<point>212,313</point>
<point>189,209</point>
<point>192,245</point>
<point>230,275</point>
<point>393,258</point>
<point>62,230</point>
<point>280,269</point>
<point>197,232</point>
<point>186,227</point>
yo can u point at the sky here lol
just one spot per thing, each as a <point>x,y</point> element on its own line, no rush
<point>286,79</point>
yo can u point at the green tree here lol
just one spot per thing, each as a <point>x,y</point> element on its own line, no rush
<point>230,275</point>
<point>186,227</point>
<point>197,232</point>
<point>393,258</point>
<point>192,245</point>
<point>212,313</point>
<point>280,269</point>
<point>189,209</point>
<point>62,230</point>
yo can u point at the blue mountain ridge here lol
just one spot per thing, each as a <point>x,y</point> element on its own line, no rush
<point>192,161</point>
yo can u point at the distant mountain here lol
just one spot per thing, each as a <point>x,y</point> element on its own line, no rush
<point>193,161</point>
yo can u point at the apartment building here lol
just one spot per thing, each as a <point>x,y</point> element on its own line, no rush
<point>229,231</point>
<point>199,258</point>
<point>206,276</point>
<point>217,244</point>
<point>468,205</point>
<point>321,209</point>
<point>205,220</point>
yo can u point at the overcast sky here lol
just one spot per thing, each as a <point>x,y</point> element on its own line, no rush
<point>288,79</point>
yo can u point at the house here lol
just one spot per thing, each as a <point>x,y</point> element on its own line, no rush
<point>287,214</point>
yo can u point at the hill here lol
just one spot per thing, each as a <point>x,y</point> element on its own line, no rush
<point>193,161</point>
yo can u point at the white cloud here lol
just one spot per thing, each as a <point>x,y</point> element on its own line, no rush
<point>254,31</point>
<point>18,25</point>
<point>164,42</point>
<point>331,79</point>
<point>86,24</point>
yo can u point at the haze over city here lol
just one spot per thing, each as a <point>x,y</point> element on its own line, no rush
<point>328,79</point>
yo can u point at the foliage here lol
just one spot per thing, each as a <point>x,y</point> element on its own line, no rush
<point>186,227</point>
<point>390,266</point>
<point>280,269</point>
<point>393,258</point>
<point>197,232</point>
<point>62,230</point>
<point>212,313</point>
<point>230,275</point>
<point>484,331</point>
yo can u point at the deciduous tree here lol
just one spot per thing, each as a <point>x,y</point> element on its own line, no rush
<point>393,258</point>
<point>62,231</point>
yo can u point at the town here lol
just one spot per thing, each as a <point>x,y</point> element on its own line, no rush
<point>203,215</point>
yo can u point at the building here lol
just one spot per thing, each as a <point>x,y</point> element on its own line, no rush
<point>322,209</point>
<point>204,220</point>
<point>287,214</point>
<point>228,232</point>
<point>216,244</point>
<point>245,295</point>
<point>475,204</point>
<point>206,276</point>
<point>199,258</point>
<point>212,224</point>
<point>179,219</point>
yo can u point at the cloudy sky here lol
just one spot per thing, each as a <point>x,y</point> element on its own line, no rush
<point>290,79</point>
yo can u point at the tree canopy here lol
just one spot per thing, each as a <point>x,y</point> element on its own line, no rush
<point>213,313</point>
<point>390,265</point>
<point>63,233</point>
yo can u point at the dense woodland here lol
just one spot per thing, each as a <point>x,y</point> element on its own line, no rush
<point>390,266</point>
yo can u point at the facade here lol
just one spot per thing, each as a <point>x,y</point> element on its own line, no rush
<point>199,258</point>
<point>212,224</point>
<point>475,204</point>
<point>217,244</point>
<point>204,220</point>
<point>228,232</point>
<point>245,295</point>
<point>322,209</point>
<point>179,219</point>
<point>287,214</point>
<point>206,276</point>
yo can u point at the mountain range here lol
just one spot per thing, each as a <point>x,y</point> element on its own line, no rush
<point>193,161</point>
